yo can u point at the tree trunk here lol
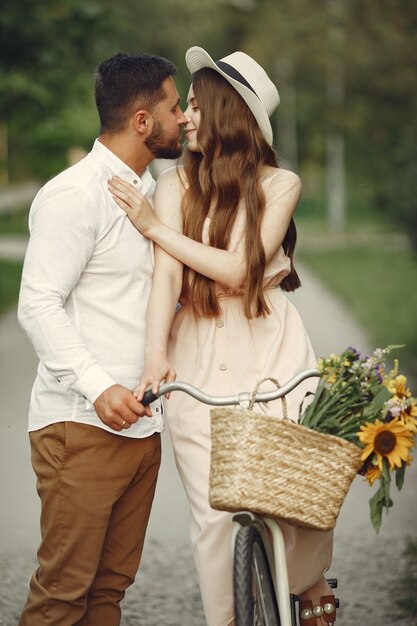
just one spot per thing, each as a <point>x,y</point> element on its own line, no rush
<point>286,126</point>
<point>335,141</point>
<point>4,155</point>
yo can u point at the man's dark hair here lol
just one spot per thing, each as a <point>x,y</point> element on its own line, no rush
<point>128,81</point>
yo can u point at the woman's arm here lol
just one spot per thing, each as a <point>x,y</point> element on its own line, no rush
<point>224,266</point>
<point>166,288</point>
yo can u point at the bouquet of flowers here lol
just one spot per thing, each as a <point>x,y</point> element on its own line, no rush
<point>357,399</point>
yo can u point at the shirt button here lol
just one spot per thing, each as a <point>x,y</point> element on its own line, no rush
<point>135,182</point>
<point>219,323</point>
<point>223,367</point>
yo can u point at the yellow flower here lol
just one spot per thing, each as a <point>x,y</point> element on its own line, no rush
<point>327,370</point>
<point>331,375</point>
<point>408,417</point>
<point>397,386</point>
<point>390,440</point>
<point>388,377</point>
<point>372,474</point>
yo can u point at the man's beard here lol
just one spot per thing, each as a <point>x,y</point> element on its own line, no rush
<point>160,146</point>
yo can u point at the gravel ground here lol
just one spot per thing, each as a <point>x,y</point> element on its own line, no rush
<point>166,592</point>
<point>367,575</point>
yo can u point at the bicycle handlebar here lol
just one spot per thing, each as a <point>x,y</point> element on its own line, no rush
<point>240,398</point>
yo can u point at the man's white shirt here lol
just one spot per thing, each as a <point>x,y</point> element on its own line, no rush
<point>84,295</point>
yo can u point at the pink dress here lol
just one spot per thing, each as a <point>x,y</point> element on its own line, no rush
<point>223,356</point>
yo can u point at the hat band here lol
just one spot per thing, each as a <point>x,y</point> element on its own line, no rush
<point>233,73</point>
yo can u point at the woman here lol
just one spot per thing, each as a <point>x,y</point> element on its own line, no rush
<point>225,239</point>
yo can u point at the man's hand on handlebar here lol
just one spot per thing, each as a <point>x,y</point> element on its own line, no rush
<point>118,408</point>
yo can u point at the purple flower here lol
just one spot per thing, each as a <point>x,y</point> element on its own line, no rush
<point>353,351</point>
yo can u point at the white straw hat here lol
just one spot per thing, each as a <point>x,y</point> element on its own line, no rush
<point>248,78</point>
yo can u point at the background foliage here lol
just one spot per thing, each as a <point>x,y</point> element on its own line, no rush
<point>49,50</point>
<point>342,66</point>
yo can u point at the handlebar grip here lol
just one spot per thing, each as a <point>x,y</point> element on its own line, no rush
<point>149,397</point>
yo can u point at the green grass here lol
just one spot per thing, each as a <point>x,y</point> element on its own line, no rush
<point>14,222</point>
<point>361,215</point>
<point>10,273</point>
<point>379,287</point>
<point>11,223</point>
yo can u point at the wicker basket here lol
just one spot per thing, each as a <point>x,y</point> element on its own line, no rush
<point>278,468</point>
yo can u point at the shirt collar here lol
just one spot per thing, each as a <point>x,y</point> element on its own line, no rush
<point>144,183</point>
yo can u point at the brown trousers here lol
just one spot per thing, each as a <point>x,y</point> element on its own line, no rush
<point>96,490</point>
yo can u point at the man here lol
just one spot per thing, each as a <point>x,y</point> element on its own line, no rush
<point>83,300</point>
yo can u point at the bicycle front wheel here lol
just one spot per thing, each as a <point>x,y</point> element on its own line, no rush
<point>254,595</point>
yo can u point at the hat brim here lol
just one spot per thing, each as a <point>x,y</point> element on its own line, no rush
<point>197,58</point>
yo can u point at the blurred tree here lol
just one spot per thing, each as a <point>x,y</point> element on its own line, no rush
<point>169,27</point>
<point>48,53</point>
<point>382,106</point>
<point>335,100</point>
<point>376,112</point>
<point>289,40</point>
<point>47,50</point>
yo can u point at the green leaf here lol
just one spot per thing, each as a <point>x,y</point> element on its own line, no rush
<point>386,484</point>
<point>381,498</point>
<point>377,404</point>
<point>399,476</point>
<point>300,409</point>
<point>385,472</point>
<point>324,409</point>
<point>376,504</point>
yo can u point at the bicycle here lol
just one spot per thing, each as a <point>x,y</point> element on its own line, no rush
<point>260,578</point>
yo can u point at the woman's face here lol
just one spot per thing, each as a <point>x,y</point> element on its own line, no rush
<point>192,114</point>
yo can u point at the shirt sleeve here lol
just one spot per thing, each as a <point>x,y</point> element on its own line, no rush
<point>62,240</point>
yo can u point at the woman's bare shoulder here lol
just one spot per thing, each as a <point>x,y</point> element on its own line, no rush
<point>280,176</point>
<point>172,178</point>
<point>282,186</point>
<point>168,197</point>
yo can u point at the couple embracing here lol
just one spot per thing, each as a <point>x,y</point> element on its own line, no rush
<point>109,258</point>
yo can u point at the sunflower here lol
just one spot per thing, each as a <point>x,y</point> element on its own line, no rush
<point>372,473</point>
<point>391,440</point>
<point>408,416</point>
<point>405,409</point>
<point>397,386</point>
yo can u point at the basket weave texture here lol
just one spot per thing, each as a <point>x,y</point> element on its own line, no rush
<point>278,468</point>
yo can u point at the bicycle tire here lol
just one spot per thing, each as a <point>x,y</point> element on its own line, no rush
<point>254,595</point>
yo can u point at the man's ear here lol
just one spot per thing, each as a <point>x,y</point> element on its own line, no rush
<point>143,122</point>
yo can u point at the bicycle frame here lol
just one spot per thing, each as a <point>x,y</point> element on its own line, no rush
<point>275,553</point>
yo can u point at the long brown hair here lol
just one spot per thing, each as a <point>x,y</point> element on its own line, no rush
<point>226,170</point>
